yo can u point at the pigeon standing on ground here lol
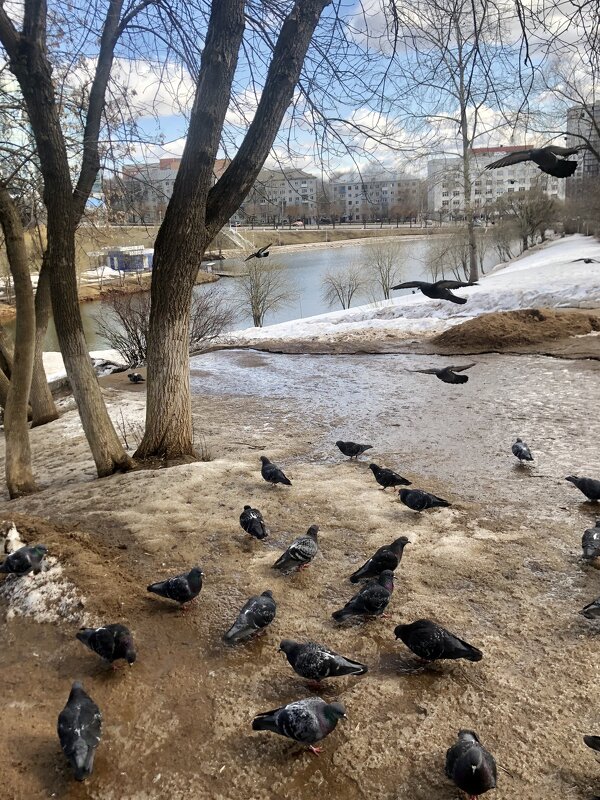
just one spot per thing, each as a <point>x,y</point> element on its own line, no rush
<point>111,642</point>
<point>431,642</point>
<point>271,472</point>
<point>253,523</point>
<point>418,500</point>
<point>386,557</point>
<point>25,560</point>
<point>590,542</point>
<point>371,601</point>
<point>300,553</point>
<point>352,449</point>
<point>589,486</point>
<point>305,721</point>
<point>549,159</point>
<point>470,765</point>
<point>182,588</point>
<point>387,477</point>
<point>521,451</point>
<point>316,662</point>
<point>440,290</point>
<point>256,614</point>
<point>446,374</point>
<point>79,730</point>
<point>262,252</point>
<point>135,377</point>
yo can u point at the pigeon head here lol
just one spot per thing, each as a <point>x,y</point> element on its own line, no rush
<point>267,593</point>
<point>398,632</point>
<point>519,441</point>
<point>373,467</point>
<point>77,685</point>
<point>40,549</point>
<point>312,531</point>
<point>335,711</point>
<point>287,646</point>
<point>196,572</point>
<point>265,460</point>
<point>130,654</point>
<point>468,736</point>
<point>572,479</point>
<point>339,443</point>
<point>400,543</point>
<point>247,507</point>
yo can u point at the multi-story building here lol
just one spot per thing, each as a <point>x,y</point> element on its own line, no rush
<point>377,197</point>
<point>583,127</point>
<point>279,195</point>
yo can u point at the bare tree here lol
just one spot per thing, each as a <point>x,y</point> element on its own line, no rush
<point>341,286</point>
<point>264,289</point>
<point>531,212</point>
<point>384,267</point>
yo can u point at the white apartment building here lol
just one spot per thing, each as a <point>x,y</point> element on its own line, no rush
<point>583,122</point>
<point>381,197</point>
<point>280,195</point>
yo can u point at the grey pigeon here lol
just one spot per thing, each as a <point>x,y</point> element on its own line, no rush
<point>25,560</point>
<point>352,449</point>
<point>521,451</point>
<point>135,377</point>
<point>549,159</point>
<point>111,642</point>
<point>431,642</point>
<point>262,252</point>
<point>371,600</point>
<point>272,474</point>
<point>182,588</point>
<point>589,486</point>
<point>256,614</point>
<point>253,523</point>
<point>440,290</point>
<point>418,500</point>
<point>447,374</point>
<point>592,610</point>
<point>300,553</point>
<point>79,730</point>
<point>387,477</point>
<point>316,662</point>
<point>470,765</point>
<point>386,557</point>
<point>590,542</point>
<point>305,721</point>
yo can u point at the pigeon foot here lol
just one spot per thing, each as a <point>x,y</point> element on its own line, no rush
<point>315,750</point>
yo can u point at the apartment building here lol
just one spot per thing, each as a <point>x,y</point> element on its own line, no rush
<point>277,195</point>
<point>583,125</point>
<point>377,197</point>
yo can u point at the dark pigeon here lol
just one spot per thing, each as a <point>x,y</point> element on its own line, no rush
<point>586,260</point>
<point>182,588</point>
<point>521,451</point>
<point>111,642</point>
<point>470,765</point>
<point>592,610</point>
<point>590,542</point>
<point>592,741</point>
<point>387,557</point>
<point>300,553</point>
<point>440,290</point>
<point>387,477</point>
<point>271,472</point>
<point>431,642</point>
<point>262,252</point>
<point>316,662</point>
<point>256,614</point>
<point>352,449</point>
<point>371,601</point>
<point>589,486</point>
<point>305,721</point>
<point>79,730</point>
<point>253,523</point>
<point>135,377</point>
<point>24,561</point>
<point>549,159</point>
<point>447,374</point>
<point>418,500</point>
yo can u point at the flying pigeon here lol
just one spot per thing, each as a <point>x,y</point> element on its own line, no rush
<point>549,159</point>
<point>262,252</point>
<point>271,472</point>
<point>182,588</point>
<point>256,614</point>
<point>589,486</point>
<point>111,642</point>
<point>386,557</point>
<point>253,523</point>
<point>586,260</point>
<point>440,290</point>
<point>592,610</point>
<point>387,477</point>
<point>305,721</point>
<point>418,500</point>
<point>446,374</point>
<point>590,542</point>
<point>79,729</point>
<point>431,642</point>
<point>135,377</point>
<point>470,765</point>
<point>316,662</point>
<point>300,553</point>
<point>372,599</point>
<point>521,451</point>
<point>25,560</point>
<point>352,449</point>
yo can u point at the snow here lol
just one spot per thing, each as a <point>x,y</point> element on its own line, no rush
<point>55,367</point>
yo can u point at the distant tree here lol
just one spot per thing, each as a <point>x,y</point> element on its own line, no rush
<point>342,285</point>
<point>384,267</point>
<point>531,212</point>
<point>265,288</point>
<point>503,236</point>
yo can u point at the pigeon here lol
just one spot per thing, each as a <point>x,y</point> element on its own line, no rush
<point>111,642</point>
<point>387,477</point>
<point>262,252</point>
<point>353,450</point>
<point>24,561</point>
<point>592,741</point>
<point>521,451</point>
<point>316,662</point>
<point>372,599</point>
<point>135,377</point>
<point>79,729</point>
<point>418,500</point>
<point>590,542</point>
<point>586,260</point>
<point>386,557</point>
<point>271,472</point>
<point>446,374</point>
<point>256,614</point>
<point>253,523</point>
<point>300,553</point>
<point>182,588</point>
<point>305,721</point>
<point>470,765</point>
<point>592,610</point>
<point>440,290</point>
<point>431,642</point>
<point>589,486</point>
<point>549,159</point>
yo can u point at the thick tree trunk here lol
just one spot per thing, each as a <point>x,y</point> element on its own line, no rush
<point>466,159</point>
<point>43,408</point>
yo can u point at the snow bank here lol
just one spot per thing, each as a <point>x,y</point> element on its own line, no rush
<point>55,367</point>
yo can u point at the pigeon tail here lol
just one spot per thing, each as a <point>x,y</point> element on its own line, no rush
<point>349,667</point>
<point>83,759</point>
<point>455,299</point>
<point>265,722</point>
<point>342,614</point>
<point>562,169</point>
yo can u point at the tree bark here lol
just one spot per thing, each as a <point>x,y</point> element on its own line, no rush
<point>43,408</point>
<point>466,159</point>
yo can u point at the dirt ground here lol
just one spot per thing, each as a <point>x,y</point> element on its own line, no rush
<point>503,573</point>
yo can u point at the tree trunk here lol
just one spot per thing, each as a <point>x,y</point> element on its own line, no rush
<point>466,159</point>
<point>43,408</point>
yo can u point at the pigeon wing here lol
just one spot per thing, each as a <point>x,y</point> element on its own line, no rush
<point>454,284</point>
<point>461,369</point>
<point>564,151</point>
<point>512,158</point>
<point>410,285</point>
